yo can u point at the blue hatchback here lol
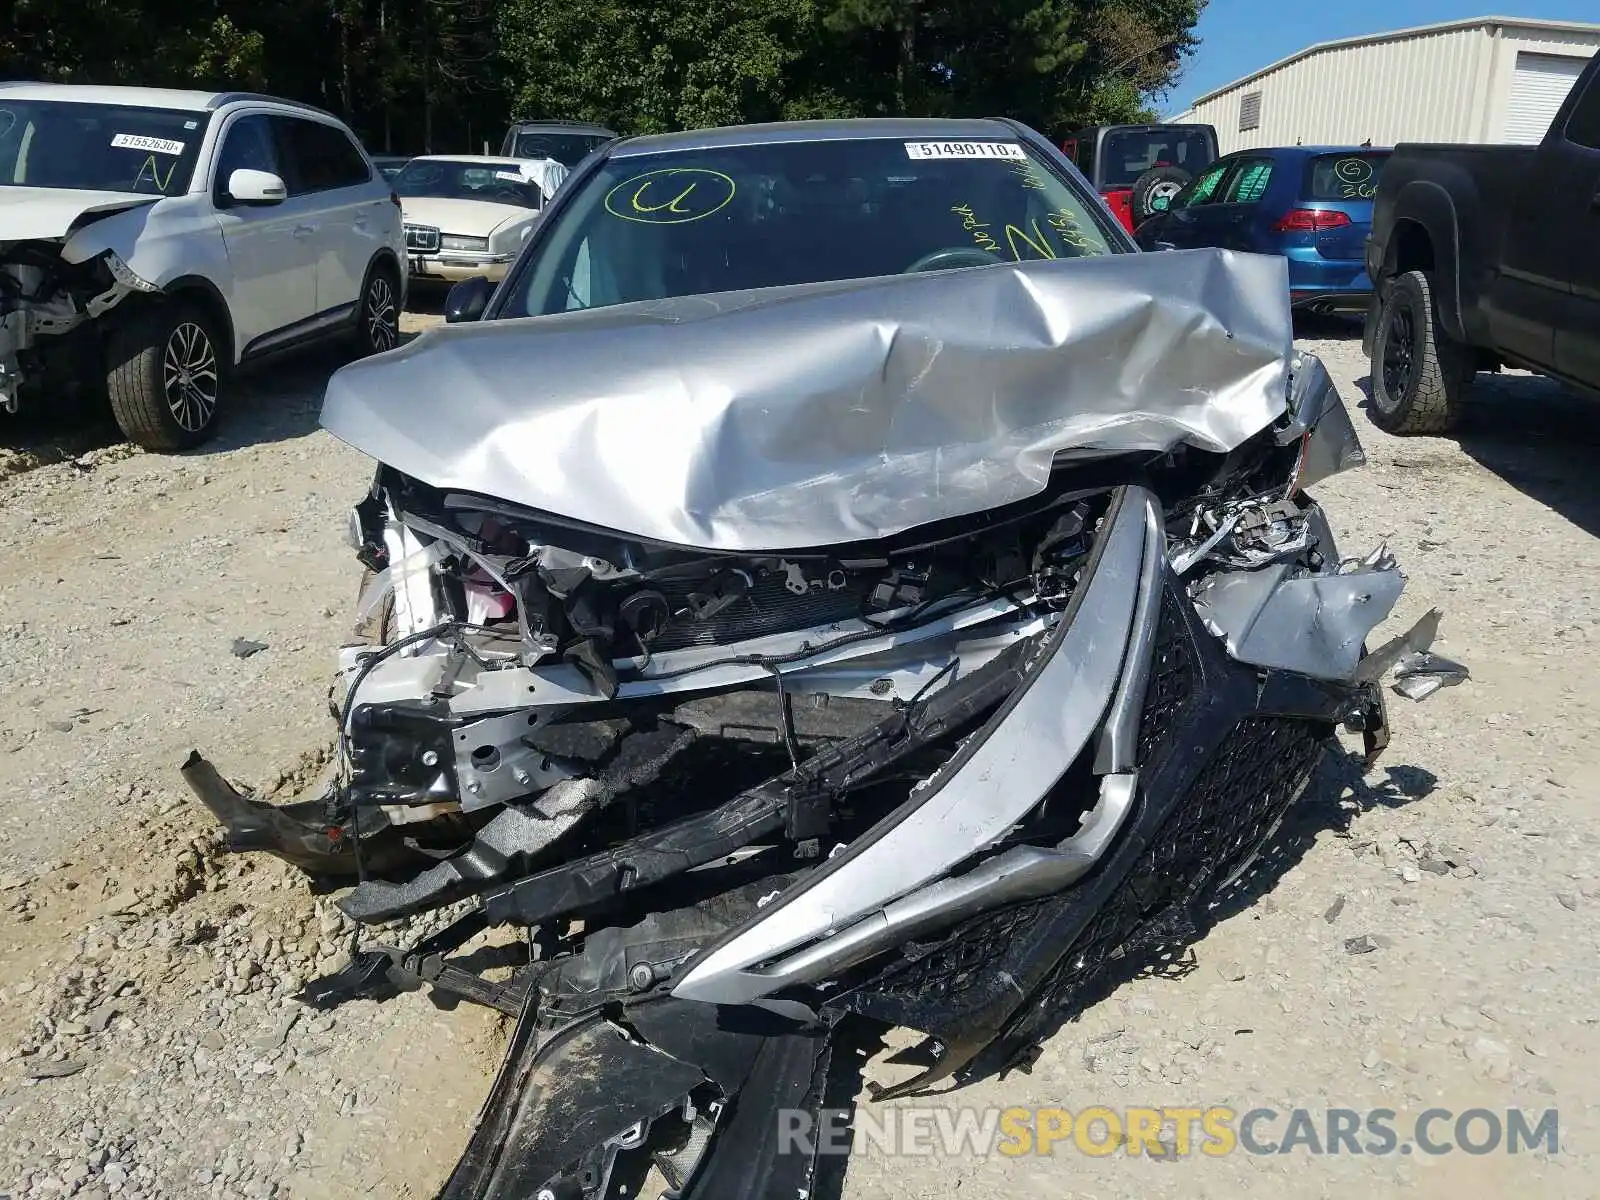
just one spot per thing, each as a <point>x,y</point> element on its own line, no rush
<point>1311,204</point>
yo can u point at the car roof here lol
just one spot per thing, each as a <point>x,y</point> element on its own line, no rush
<point>476,158</point>
<point>776,133</point>
<point>133,97</point>
<point>140,97</point>
<point>559,126</point>
<point>1149,125</point>
<point>1306,151</point>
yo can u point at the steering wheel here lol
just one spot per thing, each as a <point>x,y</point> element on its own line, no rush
<point>951,257</point>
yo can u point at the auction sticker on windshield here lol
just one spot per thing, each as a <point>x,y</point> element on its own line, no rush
<point>135,141</point>
<point>1006,151</point>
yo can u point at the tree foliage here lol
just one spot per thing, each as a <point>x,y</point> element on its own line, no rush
<point>448,74</point>
<point>645,68</point>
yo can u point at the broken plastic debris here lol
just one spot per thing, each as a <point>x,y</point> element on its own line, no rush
<point>1421,673</point>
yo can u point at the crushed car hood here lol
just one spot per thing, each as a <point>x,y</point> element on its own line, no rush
<point>828,413</point>
<point>32,213</point>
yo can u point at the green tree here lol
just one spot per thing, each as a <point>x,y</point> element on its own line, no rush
<point>643,68</point>
<point>446,74</point>
<point>1055,64</point>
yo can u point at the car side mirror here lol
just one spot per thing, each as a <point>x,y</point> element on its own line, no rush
<point>466,300</point>
<point>256,188</point>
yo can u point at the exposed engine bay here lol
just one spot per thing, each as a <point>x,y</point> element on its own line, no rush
<point>942,776</point>
<point>43,299</point>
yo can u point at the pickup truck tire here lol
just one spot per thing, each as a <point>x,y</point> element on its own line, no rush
<point>164,377</point>
<point>1419,376</point>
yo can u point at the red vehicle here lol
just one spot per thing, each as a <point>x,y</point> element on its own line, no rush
<point>1138,169</point>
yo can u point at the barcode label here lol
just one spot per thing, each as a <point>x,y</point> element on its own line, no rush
<point>1006,151</point>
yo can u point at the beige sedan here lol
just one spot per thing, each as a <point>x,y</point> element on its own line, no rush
<point>468,214</point>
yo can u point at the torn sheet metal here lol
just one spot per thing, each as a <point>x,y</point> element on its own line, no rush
<point>827,413</point>
<point>1312,624</point>
<point>1319,420</point>
<point>1418,672</point>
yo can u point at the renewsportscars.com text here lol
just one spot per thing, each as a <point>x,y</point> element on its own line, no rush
<point>1168,1132</point>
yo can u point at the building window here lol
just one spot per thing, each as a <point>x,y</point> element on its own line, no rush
<point>1250,112</point>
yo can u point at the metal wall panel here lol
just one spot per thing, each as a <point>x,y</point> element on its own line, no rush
<point>1500,124</point>
<point>1446,85</point>
<point>1539,84</point>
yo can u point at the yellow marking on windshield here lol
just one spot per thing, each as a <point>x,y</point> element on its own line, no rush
<point>1065,224</point>
<point>154,168</point>
<point>976,228</point>
<point>694,193</point>
<point>1028,175</point>
<point>672,206</point>
<point>1355,179</point>
<point>1041,247</point>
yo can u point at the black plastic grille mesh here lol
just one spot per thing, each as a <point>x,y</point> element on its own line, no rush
<point>1172,679</point>
<point>1222,819</point>
<point>950,968</point>
<point>979,944</point>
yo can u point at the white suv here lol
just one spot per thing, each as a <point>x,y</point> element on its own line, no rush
<point>152,241</point>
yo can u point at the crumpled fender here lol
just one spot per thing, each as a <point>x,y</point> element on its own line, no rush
<point>160,244</point>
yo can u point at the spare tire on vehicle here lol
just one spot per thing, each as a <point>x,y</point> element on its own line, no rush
<point>1154,190</point>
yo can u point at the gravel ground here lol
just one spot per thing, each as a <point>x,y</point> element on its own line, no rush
<point>1419,935</point>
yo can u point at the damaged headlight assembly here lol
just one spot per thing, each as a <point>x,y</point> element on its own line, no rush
<point>847,702</point>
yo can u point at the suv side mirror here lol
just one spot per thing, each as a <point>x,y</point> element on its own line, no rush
<point>466,300</point>
<point>256,188</point>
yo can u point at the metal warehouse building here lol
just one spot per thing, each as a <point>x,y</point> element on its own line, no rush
<point>1487,79</point>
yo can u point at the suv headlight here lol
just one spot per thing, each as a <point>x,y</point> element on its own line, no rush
<point>452,241</point>
<point>123,274</point>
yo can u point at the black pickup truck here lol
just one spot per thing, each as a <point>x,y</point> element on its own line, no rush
<point>1482,257</point>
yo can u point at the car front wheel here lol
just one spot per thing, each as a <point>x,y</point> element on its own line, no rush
<point>1419,375</point>
<point>378,322</point>
<point>164,377</point>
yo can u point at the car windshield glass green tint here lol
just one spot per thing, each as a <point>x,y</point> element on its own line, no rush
<point>688,223</point>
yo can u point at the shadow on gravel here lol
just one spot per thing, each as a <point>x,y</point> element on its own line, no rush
<point>426,298</point>
<point>1329,328</point>
<point>1539,436</point>
<point>1337,793</point>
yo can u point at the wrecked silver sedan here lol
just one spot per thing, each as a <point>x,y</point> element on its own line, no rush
<point>910,648</point>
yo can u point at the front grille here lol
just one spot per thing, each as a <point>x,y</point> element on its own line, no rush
<point>423,238</point>
<point>978,945</point>
<point>951,967</point>
<point>1221,820</point>
<point>1172,678</point>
